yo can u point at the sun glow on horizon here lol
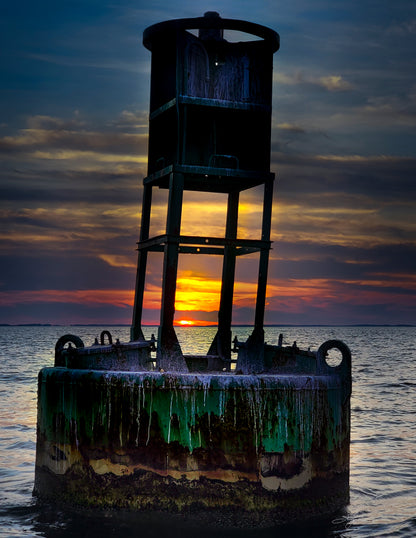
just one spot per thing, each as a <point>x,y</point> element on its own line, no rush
<point>193,323</point>
<point>185,322</point>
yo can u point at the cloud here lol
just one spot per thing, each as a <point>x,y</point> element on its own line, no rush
<point>118,261</point>
<point>54,140</point>
<point>334,83</point>
<point>117,297</point>
<point>197,293</point>
<point>375,179</point>
<point>402,28</point>
<point>291,128</point>
<point>95,63</point>
<point>343,150</point>
<point>331,83</point>
<point>77,185</point>
<point>395,109</point>
<point>329,301</point>
<point>73,185</point>
<point>132,119</point>
<point>47,187</point>
<point>52,123</point>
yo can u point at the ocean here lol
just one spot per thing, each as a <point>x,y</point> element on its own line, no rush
<point>383,436</point>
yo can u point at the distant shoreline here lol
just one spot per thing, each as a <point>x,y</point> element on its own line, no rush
<point>199,326</point>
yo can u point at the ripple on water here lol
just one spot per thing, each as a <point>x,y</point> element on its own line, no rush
<point>383,446</point>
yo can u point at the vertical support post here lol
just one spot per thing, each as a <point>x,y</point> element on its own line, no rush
<point>264,256</point>
<point>251,353</point>
<point>136,332</point>
<point>222,341</point>
<point>169,353</point>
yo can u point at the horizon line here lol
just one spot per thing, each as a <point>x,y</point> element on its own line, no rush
<point>199,326</point>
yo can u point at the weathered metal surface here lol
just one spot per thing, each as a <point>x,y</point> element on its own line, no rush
<point>130,356</point>
<point>209,130</point>
<point>209,21</point>
<point>257,440</point>
<point>262,446</point>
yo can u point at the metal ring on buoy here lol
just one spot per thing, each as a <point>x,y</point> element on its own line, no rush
<point>334,344</point>
<point>343,369</point>
<point>59,346</point>
<point>103,335</point>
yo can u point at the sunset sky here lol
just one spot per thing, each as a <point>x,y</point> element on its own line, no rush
<point>74,100</point>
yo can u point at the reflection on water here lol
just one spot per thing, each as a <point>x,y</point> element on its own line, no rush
<point>383,444</point>
<point>51,523</point>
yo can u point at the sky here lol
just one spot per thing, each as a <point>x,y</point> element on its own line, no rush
<point>74,101</point>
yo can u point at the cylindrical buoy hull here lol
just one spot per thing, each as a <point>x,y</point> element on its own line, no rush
<point>241,449</point>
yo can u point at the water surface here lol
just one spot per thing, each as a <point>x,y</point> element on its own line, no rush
<point>383,444</point>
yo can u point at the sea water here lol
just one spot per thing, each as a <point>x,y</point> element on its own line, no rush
<point>383,436</point>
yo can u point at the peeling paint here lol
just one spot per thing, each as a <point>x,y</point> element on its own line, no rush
<point>278,433</point>
<point>254,445</point>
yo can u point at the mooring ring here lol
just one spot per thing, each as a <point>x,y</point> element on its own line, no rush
<point>103,335</point>
<point>334,344</point>
<point>59,346</point>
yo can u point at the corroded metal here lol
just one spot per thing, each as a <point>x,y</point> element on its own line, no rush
<point>126,356</point>
<point>258,449</point>
<point>210,21</point>
<point>248,434</point>
<point>209,131</point>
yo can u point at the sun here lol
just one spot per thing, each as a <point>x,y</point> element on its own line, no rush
<point>185,322</point>
<point>193,323</point>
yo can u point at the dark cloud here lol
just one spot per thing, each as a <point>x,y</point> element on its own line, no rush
<point>66,314</point>
<point>73,139</point>
<point>60,187</point>
<point>54,124</point>
<point>340,313</point>
<point>64,271</point>
<point>402,254</point>
<point>379,178</point>
<point>51,139</point>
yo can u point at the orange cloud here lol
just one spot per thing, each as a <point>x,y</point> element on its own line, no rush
<point>118,261</point>
<point>198,297</point>
<point>322,293</point>
<point>197,293</point>
<point>114,297</point>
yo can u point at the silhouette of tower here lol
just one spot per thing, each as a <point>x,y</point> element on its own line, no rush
<point>209,131</point>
